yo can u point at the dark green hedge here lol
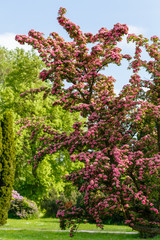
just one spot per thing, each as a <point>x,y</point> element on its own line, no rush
<point>0,144</point>
<point>7,164</point>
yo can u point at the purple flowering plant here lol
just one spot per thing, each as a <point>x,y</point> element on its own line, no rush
<point>22,207</point>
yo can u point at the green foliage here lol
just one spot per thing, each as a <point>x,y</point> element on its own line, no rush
<point>35,183</point>
<point>7,162</point>
<point>49,203</point>
<point>6,60</point>
<point>20,74</point>
<point>0,143</point>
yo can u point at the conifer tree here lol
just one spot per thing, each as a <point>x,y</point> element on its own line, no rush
<point>7,164</point>
<point>0,144</point>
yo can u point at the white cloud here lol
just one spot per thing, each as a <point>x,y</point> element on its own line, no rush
<point>8,41</point>
<point>137,30</point>
<point>132,29</point>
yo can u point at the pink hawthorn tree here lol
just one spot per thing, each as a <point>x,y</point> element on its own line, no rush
<point>119,143</point>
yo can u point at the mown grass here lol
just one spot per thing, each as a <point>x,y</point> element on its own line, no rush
<point>37,230</point>
<point>43,235</point>
<point>53,224</point>
<point>39,235</point>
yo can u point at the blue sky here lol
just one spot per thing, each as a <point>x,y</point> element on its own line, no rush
<point>142,16</point>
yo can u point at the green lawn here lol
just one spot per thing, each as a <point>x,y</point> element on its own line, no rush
<point>53,224</point>
<point>43,235</point>
<point>37,230</point>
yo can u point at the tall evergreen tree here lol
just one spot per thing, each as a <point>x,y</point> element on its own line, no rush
<point>7,165</point>
<point>0,144</point>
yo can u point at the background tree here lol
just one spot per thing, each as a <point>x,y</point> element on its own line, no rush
<point>7,165</point>
<point>21,74</point>
<point>5,63</point>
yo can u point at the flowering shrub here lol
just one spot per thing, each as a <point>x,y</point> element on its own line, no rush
<point>119,144</point>
<point>21,207</point>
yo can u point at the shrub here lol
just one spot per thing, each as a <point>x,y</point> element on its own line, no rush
<point>49,203</point>
<point>22,207</point>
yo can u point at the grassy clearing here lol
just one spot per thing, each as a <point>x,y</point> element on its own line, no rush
<point>43,235</point>
<point>28,232</point>
<point>53,224</point>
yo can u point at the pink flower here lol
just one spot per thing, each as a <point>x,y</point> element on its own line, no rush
<point>92,182</point>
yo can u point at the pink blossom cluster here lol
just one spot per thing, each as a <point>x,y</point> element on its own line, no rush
<point>35,90</point>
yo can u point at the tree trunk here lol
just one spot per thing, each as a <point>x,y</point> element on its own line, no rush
<point>146,232</point>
